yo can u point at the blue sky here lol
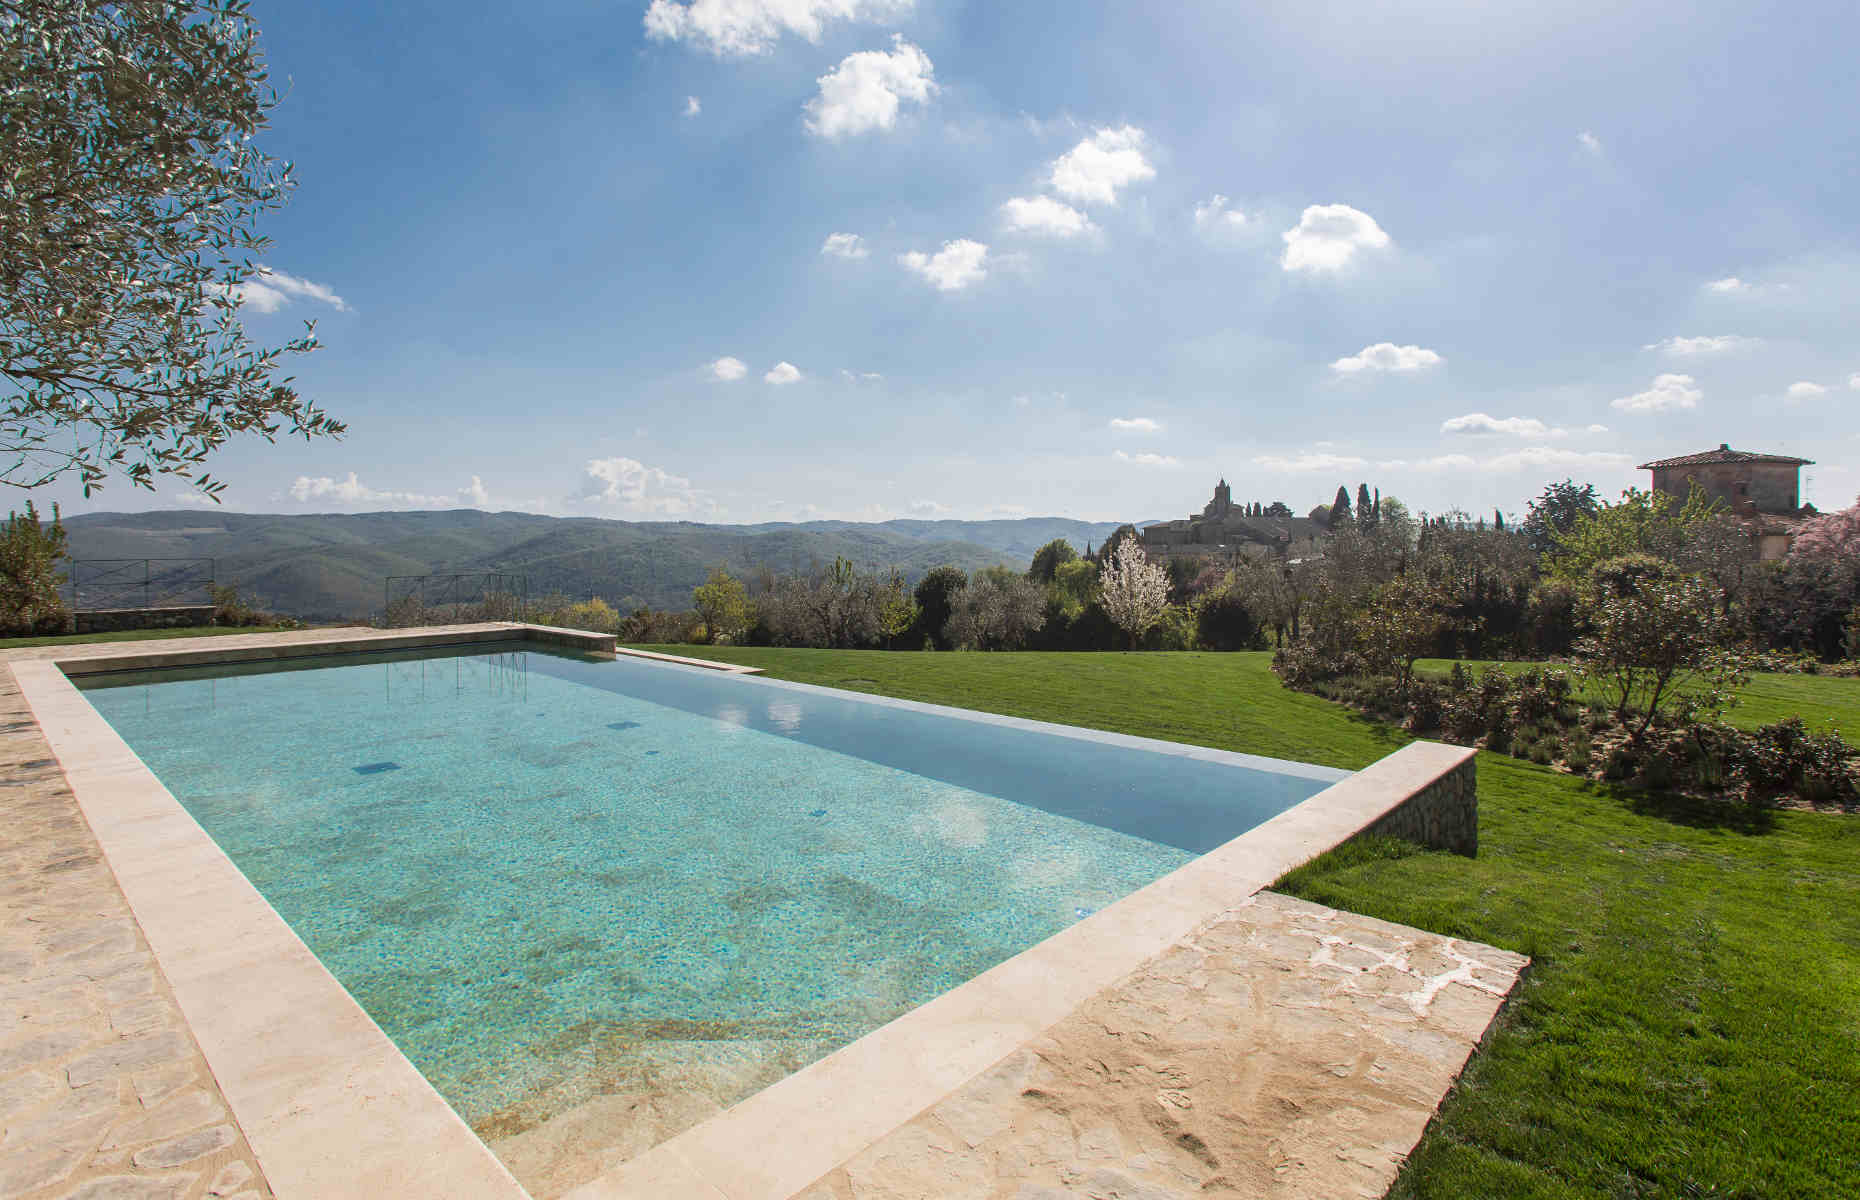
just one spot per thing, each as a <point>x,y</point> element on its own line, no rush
<point>743,260</point>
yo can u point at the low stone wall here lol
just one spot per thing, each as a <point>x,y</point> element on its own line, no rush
<point>109,620</point>
<point>1442,814</point>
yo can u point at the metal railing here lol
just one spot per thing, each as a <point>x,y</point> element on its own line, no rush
<point>453,598</point>
<point>113,583</point>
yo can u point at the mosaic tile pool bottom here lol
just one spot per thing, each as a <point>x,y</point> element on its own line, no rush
<point>553,893</point>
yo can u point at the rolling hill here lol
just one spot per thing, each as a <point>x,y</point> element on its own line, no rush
<point>331,566</point>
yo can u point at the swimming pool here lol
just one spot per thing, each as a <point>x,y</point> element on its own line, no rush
<point>622,895</point>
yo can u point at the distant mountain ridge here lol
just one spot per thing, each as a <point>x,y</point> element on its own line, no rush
<point>327,566</point>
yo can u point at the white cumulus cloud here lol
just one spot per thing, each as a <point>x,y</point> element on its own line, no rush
<point>728,369</point>
<point>1044,215</point>
<point>1805,390</point>
<point>1483,423</point>
<point>1669,392</point>
<point>734,28</point>
<point>693,106</point>
<point>1684,347</point>
<point>844,245</point>
<point>1729,283</point>
<point>1387,356</point>
<point>1309,461</point>
<point>783,372</point>
<point>633,487</point>
<point>1147,459</point>
<point>267,291</point>
<point>1214,213</point>
<point>866,90</point>
<point>1328,236</point>
<point>1093,171</point>
<point>957,265</point>
<point>1588,141</point>
<point>474,495</point>
<point>1135,425</point>
<point>350,490</point>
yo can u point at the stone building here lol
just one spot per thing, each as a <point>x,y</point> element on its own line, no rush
<point>1224,528</point>
<point>1763,491</point>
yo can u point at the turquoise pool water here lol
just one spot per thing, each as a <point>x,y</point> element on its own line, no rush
<point>554,880</point>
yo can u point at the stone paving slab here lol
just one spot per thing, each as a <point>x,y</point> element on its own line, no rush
<point>1283,1051</point>
<point>103,1091</point>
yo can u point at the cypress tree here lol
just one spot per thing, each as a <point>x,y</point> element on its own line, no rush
<point>1340,507</point>
<point>1365,513</point>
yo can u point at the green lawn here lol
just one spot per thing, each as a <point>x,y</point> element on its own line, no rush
<point>136,635</point>
<point>1691,1024</point>
<point>1818,699</point>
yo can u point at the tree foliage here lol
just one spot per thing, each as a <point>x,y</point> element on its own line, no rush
<point>1657,635</point>
<point>1642,523</point>
<point>936,599</point>
<point>1075,585</point>
<point>1339,512</point>
<point>723,602</point>
<point>1119,536</point>
<point>129,194</point>
<point>997,611</point>
<point>837,606</point>
<point>30,553</point>
<point>1402,622</point>
<point>1048,559</point>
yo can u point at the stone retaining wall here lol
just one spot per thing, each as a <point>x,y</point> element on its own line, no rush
<point>1442,814</point>
<point>109,620</point>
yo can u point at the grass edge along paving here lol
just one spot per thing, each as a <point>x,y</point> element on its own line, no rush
<point>1690,1026</point>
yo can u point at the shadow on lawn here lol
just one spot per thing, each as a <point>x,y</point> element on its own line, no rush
<point>1694,812</point>
<point>1387,732</point>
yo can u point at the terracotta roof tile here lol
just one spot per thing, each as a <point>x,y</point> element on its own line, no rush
<point>1724,454</point>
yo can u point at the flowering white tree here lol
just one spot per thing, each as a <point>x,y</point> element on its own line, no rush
<point>1135,590</point>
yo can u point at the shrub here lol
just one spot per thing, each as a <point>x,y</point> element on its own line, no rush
<point>593,614</point>
<point>1552,618</point>
<point>648,625</point>
<point>1174,630</point>
<point>230,609</point>
<point>1224,622</point>
<point>1786,759</point>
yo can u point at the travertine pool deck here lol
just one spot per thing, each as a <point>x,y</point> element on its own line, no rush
<point>103,1089</point>
<point>163,1034</point>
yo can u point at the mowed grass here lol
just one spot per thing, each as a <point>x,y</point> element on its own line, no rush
<point>1690,1026</point>
<point>137,635</point>
<point>1820,700</point>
